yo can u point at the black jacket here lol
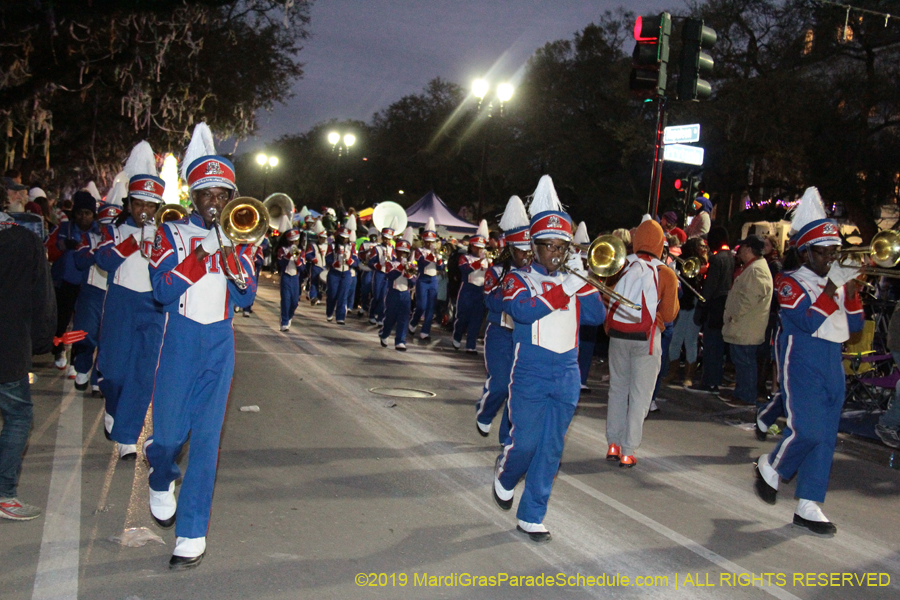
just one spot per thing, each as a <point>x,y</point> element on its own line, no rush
<point>27,302</point>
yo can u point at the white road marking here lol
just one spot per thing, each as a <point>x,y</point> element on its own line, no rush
<point>57,569</point>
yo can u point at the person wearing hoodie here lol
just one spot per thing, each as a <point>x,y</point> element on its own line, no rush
<point>635,347</point>
<point>700,225</point>
<point>544,304</point>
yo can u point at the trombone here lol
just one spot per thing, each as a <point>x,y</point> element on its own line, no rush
<point>690,268</point>
<point>164,214</point>
<point>244,220</point>
<point>605,258</point>
<point>884,251</point>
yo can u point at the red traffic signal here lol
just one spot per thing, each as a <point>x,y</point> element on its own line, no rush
<point>651,55</point>
<point>678,184</point>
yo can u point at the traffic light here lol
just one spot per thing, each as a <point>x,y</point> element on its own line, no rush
<point>650,58</point>
<point>696,38</point>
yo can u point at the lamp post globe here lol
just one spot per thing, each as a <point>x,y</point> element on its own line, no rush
<point>262,159</point>
<point>333,138</point>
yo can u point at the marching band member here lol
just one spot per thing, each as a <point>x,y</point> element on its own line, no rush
<point>290,266</point>
<point>470,301</point>
<point>378,261</point>
<point>820,307</point>
<point>131,330</point>
<point>401,272</point>
<point>340,258</point>
<point>196,360</point>
<point>365,271</point>
<point>315,261</point>
<point>350,225</point>
<point>545,305</point>
<point>498,338</point>
<point>635,347</point>
<point>260,250</point>
<point>89,306</point>
<point>587,334</point>
<point>62,244</point>
<point>430,264</point>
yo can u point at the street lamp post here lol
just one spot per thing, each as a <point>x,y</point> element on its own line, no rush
<point>267,163</point>
<point>502,94</point>
<point>340,145</point>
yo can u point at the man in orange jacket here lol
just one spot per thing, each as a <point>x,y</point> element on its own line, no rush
<point>634,345</point>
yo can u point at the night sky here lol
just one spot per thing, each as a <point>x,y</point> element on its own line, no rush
<point>365,54</point>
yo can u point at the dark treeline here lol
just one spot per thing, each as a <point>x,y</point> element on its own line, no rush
<point>796,102</point>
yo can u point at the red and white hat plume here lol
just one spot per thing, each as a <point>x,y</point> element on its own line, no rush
<point>548,216</point>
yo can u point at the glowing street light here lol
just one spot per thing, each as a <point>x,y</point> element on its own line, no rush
<point>501,94</point>
<point>480,88</point>
<point>504,92</point>
<point>267,163</point>
<point>340,145</point>
<point>349,139</point>
<point>333,138</point>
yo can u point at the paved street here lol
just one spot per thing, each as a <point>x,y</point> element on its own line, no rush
<point>330,480</point>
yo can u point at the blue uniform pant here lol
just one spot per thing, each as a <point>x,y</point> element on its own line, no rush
<point>498,355</point>
<point>18,412</point>
<point>587,343</point>
<point>338,289</point>
<point>290,296</point>
<point>315,283</point>
<point>365,289</point>
<point>469,314</point>
<point>542,399</point>
<point>88,313</point>
<point>351,291</point>
<point>426,298</point>
<point>396,314</point>
<point>255,276</point>
<point>379,293</point>
<point>129,350</point>
<point>813,395</point>
<point>196,363</point>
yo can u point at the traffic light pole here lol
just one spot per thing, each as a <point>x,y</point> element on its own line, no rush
<point>656,174</point>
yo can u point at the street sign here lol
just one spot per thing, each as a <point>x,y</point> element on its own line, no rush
<point>691,155</point>
<point>682,134</point>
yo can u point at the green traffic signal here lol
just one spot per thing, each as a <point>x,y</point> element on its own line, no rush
<point>694,62</point>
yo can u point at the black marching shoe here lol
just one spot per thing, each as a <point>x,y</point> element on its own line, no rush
<point>760,434</point>
<point>503,504</point>
<point>766,492</point>
<point>538,537</point>
<point>182,563</point>
<point>818,527</point>
<point>165,523</point>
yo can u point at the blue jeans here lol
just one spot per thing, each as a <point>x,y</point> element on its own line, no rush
<point>744,359</point>
<point>891,417</point>
<point>17,411</point>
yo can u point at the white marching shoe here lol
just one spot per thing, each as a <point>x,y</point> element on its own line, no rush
<point>127,451</point>
<point>810,516</point>
<point>162,506</point>
<point>188,553</point>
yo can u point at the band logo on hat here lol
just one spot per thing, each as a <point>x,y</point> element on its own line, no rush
<point>146,187</point>
<point>211,171</point>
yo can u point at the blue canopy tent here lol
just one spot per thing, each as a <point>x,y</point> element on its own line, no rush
<point>430,205</point>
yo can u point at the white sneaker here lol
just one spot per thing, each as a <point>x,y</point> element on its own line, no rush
<point>163,505</point>
<point>329,319</point>
<point>61,362</point>
<point>401,347</point>
<point>285,328</point>
<point>411,328</point>
<point>424,336</point>
<point>70,372</point>
<point>485,429</point>
<point>82,378</point>
<point>127,451</point>
<point>457,345</point>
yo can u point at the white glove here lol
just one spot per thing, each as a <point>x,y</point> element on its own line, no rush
<point>841,274</point>
<point>149,232</point>
<point>211,242</point>
<point>571,284</point>
<point>576,264</point>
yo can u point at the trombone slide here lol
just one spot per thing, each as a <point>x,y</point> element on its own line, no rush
<point>603,288</point>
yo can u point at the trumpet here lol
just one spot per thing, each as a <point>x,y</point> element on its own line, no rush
<point>605,257</point>
<point>244,220</point>
<point>690,268</point>
<point>165,213</point>
<point>884,251</point>
<point>410,268</point>
<point>295,251</point>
